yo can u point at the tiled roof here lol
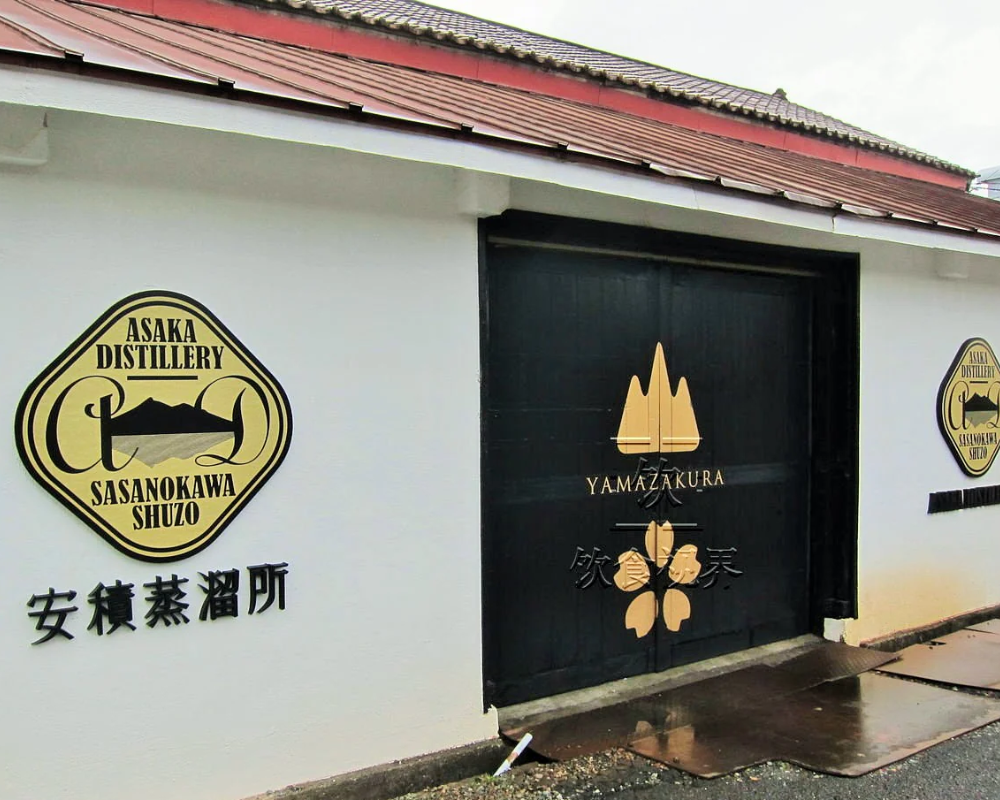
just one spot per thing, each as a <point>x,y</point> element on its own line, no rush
<point>132,46</point>
<point>429,21</point>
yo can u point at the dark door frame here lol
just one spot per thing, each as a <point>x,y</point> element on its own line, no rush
<point>835,404</point>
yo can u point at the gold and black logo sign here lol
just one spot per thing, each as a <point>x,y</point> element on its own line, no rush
<point>658,420</point>
<point>968,407</point>
<point>155,427</point>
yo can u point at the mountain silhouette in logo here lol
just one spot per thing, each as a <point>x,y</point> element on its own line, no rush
<point>979,403</point>
<point>658,420</point>
<point>153,417</point>
<point>979,409</point>
<point>153,431</point>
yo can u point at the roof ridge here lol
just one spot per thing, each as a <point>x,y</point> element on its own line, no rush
<point>557,39</point>
<point>422,20</point>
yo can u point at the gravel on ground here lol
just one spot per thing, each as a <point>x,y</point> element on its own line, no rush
<point>964,768</point>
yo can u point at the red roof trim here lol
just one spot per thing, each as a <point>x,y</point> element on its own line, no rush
<point>131,47</point>
<point>288,28</point>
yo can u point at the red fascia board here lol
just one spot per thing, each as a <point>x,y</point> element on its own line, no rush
<point>319,34</point>
<point>536,79</point>
<point>722,124</point>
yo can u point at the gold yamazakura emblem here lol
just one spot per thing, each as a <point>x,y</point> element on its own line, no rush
<point>635,572</point>
<point>968,407</point>
<point>155,427</point>
<point>658,420</point>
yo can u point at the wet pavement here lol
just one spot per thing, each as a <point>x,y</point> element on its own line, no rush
<point>821,707</point>
<point>846,727</point>
<point>737,698</point>
<point>960,769</point>
<point>863,733</point>
<point>969,657</point>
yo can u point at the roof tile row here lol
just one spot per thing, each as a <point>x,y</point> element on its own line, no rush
<point>421,19</point>
<point>138,45</point>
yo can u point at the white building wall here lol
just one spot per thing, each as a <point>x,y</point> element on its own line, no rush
<point>916,568</point>
<point>355,283</point>
<point>354,280</point>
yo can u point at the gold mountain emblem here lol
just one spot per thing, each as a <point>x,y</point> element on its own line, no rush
<point>658,421</point>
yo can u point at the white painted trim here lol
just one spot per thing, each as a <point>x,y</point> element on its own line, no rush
<point>480,194</point>
<point>883,230</point>
<point>31,87</point>
<point>24,137</point>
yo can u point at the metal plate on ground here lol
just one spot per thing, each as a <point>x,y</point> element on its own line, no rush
<point>966,658</point>
<point>614,726</point>
<point>847,727</point>
<point>990,626</point>
<point>697,704</point>
<point>833,660</point>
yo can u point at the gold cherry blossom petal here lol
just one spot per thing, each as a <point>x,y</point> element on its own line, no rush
<point>633,572</point>
<point>641,614</point>
<point>685,566</point>
<point>659,542</point>
<point>676,609</point>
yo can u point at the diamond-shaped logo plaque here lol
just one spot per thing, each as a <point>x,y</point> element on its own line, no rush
<point>968,407</point>
<point>155,427</point>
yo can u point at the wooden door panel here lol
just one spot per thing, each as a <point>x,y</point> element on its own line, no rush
<point>565,334</point>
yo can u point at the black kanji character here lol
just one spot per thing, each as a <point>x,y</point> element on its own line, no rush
<point>267,579</point>
<point>167,599</point>
<point>658,487</point>
<point>591,567</point>
<point>42,617</point>
<point>221,594</point>
<point>718,559</point>
<point>111,603</point>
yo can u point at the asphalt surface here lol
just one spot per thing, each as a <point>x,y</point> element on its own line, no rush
<point>965,768</point>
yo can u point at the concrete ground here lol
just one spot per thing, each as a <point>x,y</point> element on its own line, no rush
<point>966,768</point>
<point>963,768</point>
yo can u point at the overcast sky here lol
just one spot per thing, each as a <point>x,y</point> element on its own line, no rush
<point>925,74</point>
